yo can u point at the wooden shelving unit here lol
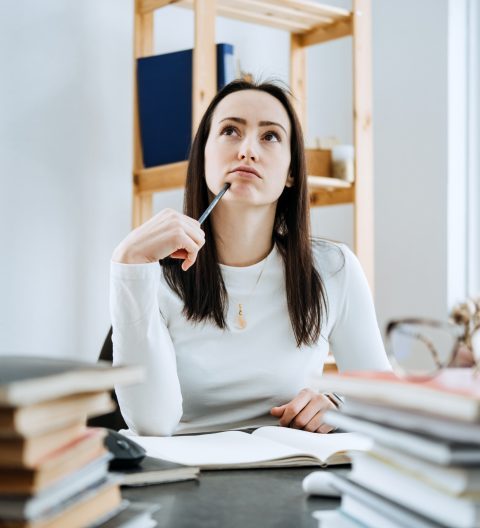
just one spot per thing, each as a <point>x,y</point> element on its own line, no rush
<point>309,24</point>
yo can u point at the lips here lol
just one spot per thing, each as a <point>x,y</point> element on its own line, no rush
<point>246,168</point>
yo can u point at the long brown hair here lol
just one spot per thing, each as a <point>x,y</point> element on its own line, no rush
<point>201,287</point>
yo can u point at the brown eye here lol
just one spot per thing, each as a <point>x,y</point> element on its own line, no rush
<point>269,135</point>
<point>227,131</point>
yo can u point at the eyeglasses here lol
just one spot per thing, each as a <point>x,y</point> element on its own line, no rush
<point>420,348</point>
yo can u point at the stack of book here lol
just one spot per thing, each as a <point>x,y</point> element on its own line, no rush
<point>53,469</point>
<point>424,467</point>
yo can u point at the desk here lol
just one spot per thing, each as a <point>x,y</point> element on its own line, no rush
<point>245,498</point>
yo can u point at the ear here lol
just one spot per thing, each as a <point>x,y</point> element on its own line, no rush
<point>290,181</point>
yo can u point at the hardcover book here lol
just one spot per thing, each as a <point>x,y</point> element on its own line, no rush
<point>83,510</point>
<point>424,446</point>
<point>34,506</point>
<point>29,452</point>
<point>29,380</point>
<point>453,393</point>
<point>165,102</point>
<point>53,415</point>
<point>54,467</point>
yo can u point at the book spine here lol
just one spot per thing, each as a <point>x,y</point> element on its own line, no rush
<point>225,65</point>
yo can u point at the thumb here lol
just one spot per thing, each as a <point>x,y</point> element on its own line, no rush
<point>277,411</point>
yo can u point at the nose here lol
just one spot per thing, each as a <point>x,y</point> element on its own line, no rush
<point>247,151</point>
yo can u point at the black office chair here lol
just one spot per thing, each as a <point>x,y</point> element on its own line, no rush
<point>113,420</point>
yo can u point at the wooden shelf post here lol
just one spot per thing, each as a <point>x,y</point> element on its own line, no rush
<point>143,46</point>
<point>363,138</point>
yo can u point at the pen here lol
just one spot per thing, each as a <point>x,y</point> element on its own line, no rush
<point>214,202</point>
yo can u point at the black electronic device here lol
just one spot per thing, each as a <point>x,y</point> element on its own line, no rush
<point>126,452</point>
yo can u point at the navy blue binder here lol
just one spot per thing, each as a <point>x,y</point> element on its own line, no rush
<point>165,102</point>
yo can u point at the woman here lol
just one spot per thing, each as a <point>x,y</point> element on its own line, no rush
<point>235,335</point>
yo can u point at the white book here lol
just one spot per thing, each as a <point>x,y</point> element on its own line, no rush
<point>371,509</point>
<point>265,447</point>
<point>334,519</point>
<point>426,447</point>
<point>420,422</point>
<point>365,515</point>
<point>455,480</point>
<point>412,493</point>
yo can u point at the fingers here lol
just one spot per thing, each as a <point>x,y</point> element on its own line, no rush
<point>277,411</point>
<point>194,231</point>
<point>184,243</point>
<point>183,234</point>
<point>295,407</point>
<point>316,424</point>
<point>311,417</point>
<point>305,411</point>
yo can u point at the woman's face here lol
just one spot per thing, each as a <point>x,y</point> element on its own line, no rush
<point>250,130</point>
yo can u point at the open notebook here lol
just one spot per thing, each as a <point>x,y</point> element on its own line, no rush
<point>265,447</point>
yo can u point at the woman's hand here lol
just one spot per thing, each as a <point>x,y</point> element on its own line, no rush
<point>167,233</point>
<point>305,411</point>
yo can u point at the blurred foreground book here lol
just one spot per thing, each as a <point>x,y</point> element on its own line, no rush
<point>53,469</point>
<point>424,467</point>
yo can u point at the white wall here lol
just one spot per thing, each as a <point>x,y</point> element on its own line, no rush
<point>65,155</point>
<point>410,123</point>
<point>473,163</point>
<point>65,158</point>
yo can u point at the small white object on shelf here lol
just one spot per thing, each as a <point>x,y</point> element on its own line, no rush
<point>342,162</point>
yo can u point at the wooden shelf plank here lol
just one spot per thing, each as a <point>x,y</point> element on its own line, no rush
<point>325,33</point>
<point>162,178</point>
<point>301,7</point>
<point>325,182</point>
<point>317,21</point>
<point>331,197</point>
<point>245,15</point>
<point>309,6</point>
<point>147,6</point>
<point>277,10</point>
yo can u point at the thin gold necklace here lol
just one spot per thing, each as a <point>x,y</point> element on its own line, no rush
<point>240,319</point>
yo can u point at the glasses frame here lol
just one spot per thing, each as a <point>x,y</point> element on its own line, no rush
<point>460,332</point>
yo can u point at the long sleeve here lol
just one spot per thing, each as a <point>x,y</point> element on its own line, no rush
<point>140,336</point>
<point>355,339</point>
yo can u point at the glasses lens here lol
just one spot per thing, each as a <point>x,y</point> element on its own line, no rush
<point>420,349</point>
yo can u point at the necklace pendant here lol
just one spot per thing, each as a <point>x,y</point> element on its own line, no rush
<point>240,321</point>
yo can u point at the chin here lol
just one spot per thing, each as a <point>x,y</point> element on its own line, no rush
<point>242,191</point>
<point>251,198</point>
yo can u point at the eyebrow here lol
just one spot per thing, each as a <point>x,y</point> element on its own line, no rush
<point>261,123</point>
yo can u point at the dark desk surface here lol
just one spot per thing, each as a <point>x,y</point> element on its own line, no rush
<point>241,498</point>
